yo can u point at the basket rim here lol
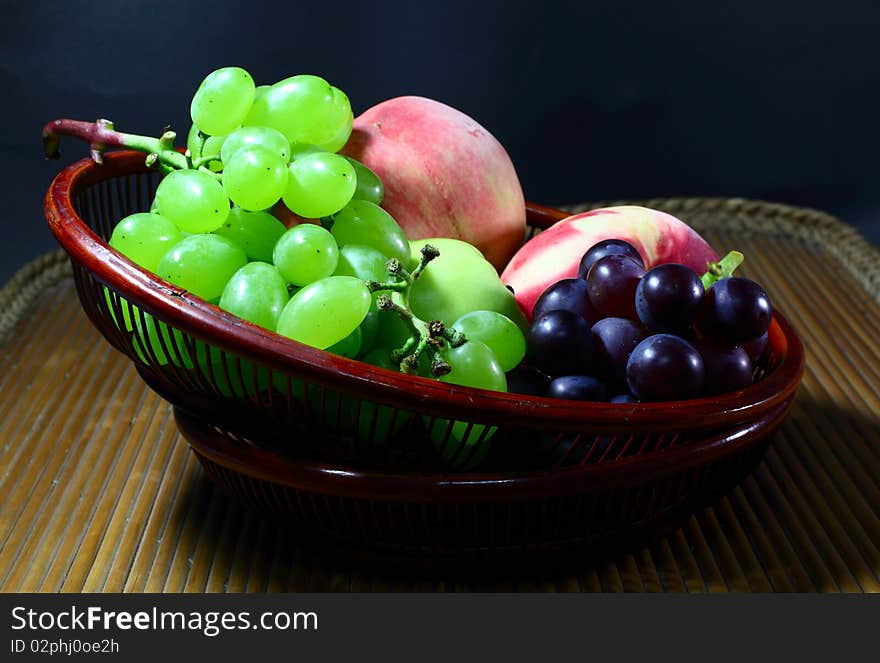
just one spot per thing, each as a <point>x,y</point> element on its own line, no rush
<point>217,327</point>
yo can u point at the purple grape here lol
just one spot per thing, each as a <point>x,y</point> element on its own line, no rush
<point>756,347</point>
<point>623,398</point>
<point>525,379</point>
<point>565,450</point>
<point>612,282</point>
<point>577,388</point>
<point>664,367</point>
<point>734,310</point>
<point>727,367</point>
<point>560,343</point>
<point>668,297</point>
<point>568,294</point>
<point>614,339</point>
<point>607,247</point>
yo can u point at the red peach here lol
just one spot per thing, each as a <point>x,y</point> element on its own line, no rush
<point>555,253</point>
<point>444,175</point>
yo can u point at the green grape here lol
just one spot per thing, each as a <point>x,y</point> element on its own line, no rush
<point>249,119</point>
<point>255,232</point>
<point>230,375</point>
<point>370,331</point>
<point>369,186</point>
<point>473,365</point>
<point>193,200</point>
<point>306,109</point>
<point>158,344</point>
<point>498,332</point>
<point>457,282</point>
<point>193,141</point>
<point>380,357</point>
<point>319,184</point>
<point>124,312</point>
<point>325,312</point>
<point>345,119</point>
<point>369,423</point>
<point>299,150</point>
<point>202,264</point>
<point>254,178</point>
<point>257,293</point>
<point>447,247</point>
<point>393,331</point>
<point>349,347</point>
<point>249,136</point>
<point>306,253</point>
<point>147,330</point>
<point>363,222</point>
<point>144,238</point>
<point>222,101</point>
<point>211,146</point>
<point>364,262</point>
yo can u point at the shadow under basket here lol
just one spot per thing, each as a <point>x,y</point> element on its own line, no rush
<point>390,466</point>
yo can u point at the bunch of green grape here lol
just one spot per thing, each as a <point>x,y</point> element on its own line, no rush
<point>214,229</point>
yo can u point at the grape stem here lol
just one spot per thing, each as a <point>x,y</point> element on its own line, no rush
<point>204,161</point>
<point>102,134</point>
<point>424,336</point>
<point>724,268</point>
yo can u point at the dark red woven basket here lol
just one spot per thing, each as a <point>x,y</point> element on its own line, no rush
<point>394,464</point>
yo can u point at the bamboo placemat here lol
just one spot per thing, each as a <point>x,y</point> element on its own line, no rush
<point>99,493</point>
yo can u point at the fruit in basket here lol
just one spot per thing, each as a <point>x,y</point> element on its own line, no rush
<point>369,186</point>
<point>144,238</point>
<point>498,332</point>
<point>472,364</point>
<point>192,199</point>
<point>664,334</point>
<point>257,293</point>
<point>612,283</point>
<point>556,253</point>
<point>560,343</point>
<point>248,137</point>
<point>735,309</point>
<point>254,149</point>
<point>306,109</point>
<point>444,174</point>
<point>222,100</point>
<point>570,294</point>
<point>255,178</point>
<point>156,343</point>
<point>366,264</point>
<point>667,298</point>
<point>664,367</point>
<point>319,184</point>
<point>614,339</point>
<point>460,280</point>
<point>255,232</point>
<point>577,388</point>
<point>305,254</point>
<point>727,367</point>
<point>202,264</point>
<point>325,311</point>
<point>207,148</point>
<point>365,223</point>
<point>604,248</point>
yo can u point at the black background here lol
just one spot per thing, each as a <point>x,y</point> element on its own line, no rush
<point>594,100</point>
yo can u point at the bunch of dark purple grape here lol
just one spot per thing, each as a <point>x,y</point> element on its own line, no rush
<point>621,333</point>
